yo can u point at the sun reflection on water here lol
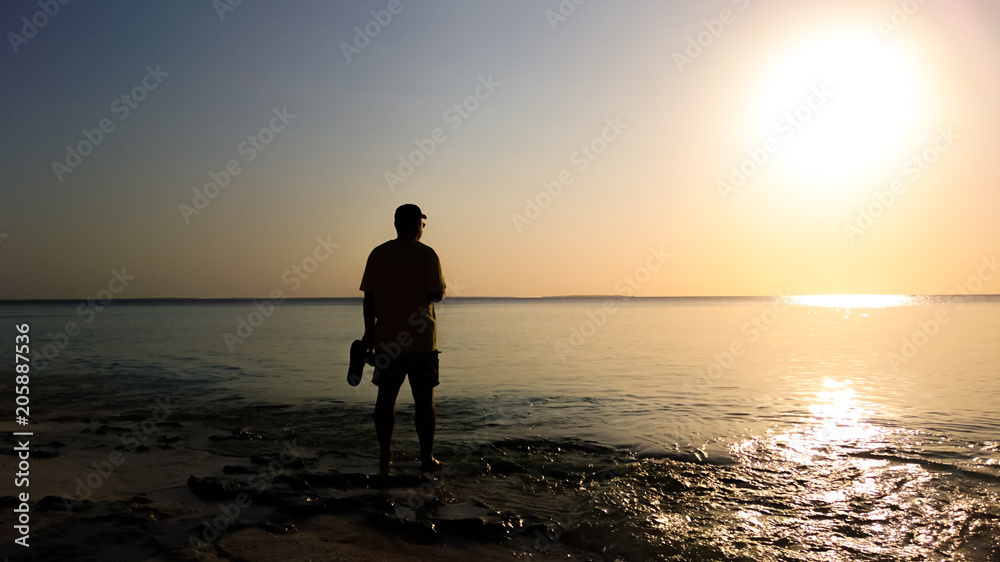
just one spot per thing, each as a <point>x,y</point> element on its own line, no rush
<point>836,419</point>
<point>838,413</point>
<point>852,301</point>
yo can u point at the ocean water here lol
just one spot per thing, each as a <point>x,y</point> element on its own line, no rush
<point>638,429</point>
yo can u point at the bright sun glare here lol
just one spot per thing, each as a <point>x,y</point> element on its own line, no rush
<point>852,301</point>
<point>865,119</point>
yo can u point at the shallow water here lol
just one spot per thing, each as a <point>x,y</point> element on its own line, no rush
<point>756,429</point>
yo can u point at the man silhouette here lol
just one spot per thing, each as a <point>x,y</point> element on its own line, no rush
<point>402,281</point>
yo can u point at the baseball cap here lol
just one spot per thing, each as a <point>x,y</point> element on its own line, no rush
<point>409,212</point>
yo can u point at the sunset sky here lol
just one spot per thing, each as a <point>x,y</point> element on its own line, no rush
<point>765,145</point>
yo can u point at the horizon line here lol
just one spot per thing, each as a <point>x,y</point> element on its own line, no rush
<point>447,298</point>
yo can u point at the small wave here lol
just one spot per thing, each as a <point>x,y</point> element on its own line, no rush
<point>928,464</point>
<point>696,456</point>
<point>541,444</point>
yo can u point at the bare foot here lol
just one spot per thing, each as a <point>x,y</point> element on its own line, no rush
<point>384,461</point>
<point>431,466</point>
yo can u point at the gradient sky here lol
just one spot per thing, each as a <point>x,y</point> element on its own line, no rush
<point>557,84</point>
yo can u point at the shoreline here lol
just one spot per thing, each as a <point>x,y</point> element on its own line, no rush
<point>247,500</point>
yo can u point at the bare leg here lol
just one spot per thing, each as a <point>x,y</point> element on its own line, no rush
<point>425,418</point>
<point>385,419</point>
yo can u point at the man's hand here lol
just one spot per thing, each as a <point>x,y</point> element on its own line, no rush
<point>366,340</point>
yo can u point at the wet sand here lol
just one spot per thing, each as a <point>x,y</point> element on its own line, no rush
<point>96,495</point>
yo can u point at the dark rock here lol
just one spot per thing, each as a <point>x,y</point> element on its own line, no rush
<point>281,459</point>
<point>305,508</point>
<point>383,481</point>
<point>338,480</point>
<point>211,488</point>
<point>418,532</point>
<point>278,529</point>
<point>244,433</point>
<point>476,520</point>
<point>239,434</point>
<point>56,503</point>
<point>293,482</point>
<point>671,485</point>
<point>475,528</point>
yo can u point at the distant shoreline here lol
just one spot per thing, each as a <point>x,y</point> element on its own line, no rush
<point>448,299</point>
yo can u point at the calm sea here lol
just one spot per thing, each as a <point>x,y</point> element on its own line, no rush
<point>743,428</point>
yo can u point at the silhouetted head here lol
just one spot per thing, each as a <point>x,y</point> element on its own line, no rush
<point>409,222</point>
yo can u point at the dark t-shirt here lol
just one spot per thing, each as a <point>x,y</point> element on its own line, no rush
<point>399,275</point>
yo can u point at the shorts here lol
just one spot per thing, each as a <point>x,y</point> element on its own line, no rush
<point>422,368</point>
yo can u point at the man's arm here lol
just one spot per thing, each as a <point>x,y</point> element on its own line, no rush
<point>369,311</point>
<point>435,280</point>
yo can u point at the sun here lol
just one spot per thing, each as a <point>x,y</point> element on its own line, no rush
<point>841,105</point>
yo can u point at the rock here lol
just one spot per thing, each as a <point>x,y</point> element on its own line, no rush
<point>56,503</point>
<point>211,488</point>
<point>276,529</point>
<point>671,485</point>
